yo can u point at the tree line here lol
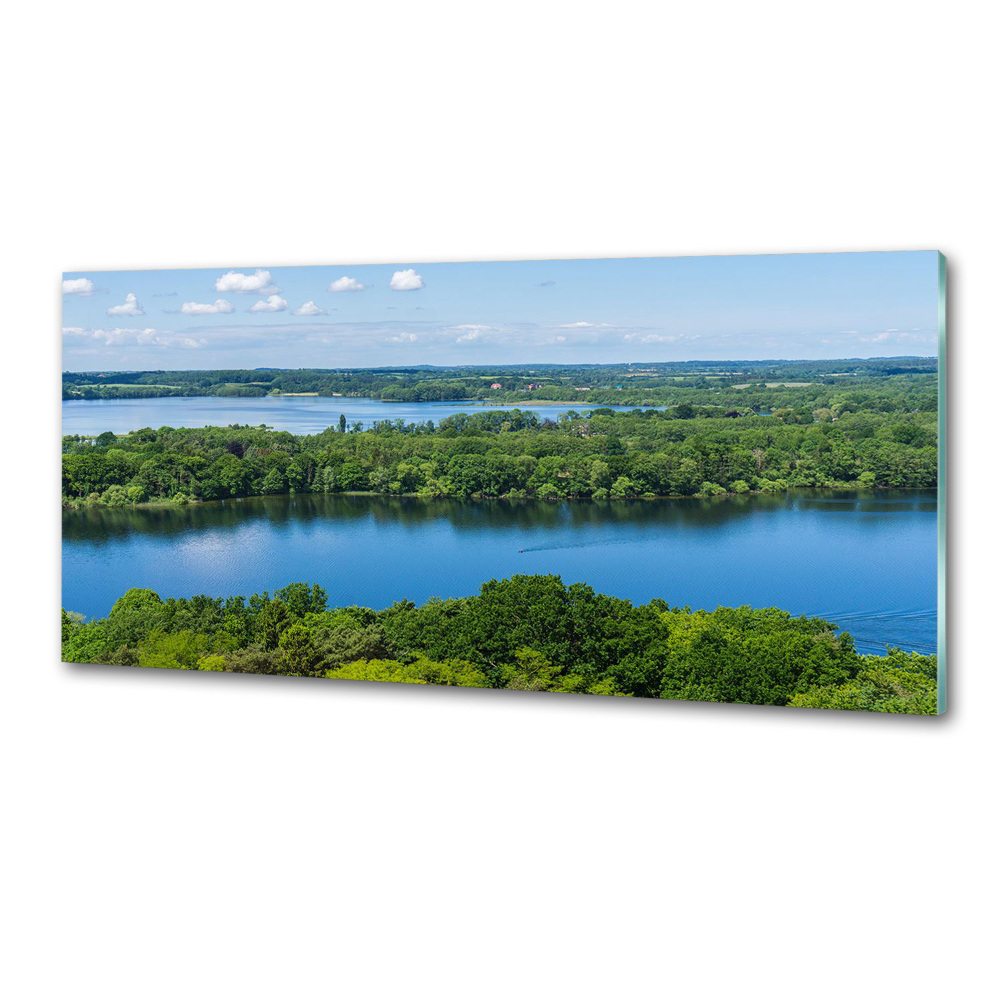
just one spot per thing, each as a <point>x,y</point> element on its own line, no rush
<point>599,454</point>
<point>526,632</point>
<point>902,383</point>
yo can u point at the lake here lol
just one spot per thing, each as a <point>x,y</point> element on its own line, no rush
<point>298,414</point>
<point>866,561</point>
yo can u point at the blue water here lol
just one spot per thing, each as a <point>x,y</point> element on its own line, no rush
<point>298,414</point>
<point>866,561</point>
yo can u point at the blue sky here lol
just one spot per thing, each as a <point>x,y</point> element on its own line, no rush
<point>582,311</point>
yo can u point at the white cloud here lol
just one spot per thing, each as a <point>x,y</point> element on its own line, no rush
<point>891,333</point>
<point>469,332</point>
<point>403,338</point>
<point>78,286</point>
<point>205,308</point>
<point>309,309</point>
<point>119,336</point>
<point>346,284</point>
<point>130,307</point>
<point>899,336</point>
<point>653,338</point>
<point>258,283</point>
<point>126,336</point>
<point>272,304</point>
<point>406,281</point>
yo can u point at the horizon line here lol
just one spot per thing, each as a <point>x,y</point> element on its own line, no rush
<point>524,364</point>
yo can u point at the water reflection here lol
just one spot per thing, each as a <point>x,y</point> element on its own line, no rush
<point>98,524</point>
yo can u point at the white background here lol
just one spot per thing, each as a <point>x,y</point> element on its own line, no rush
<point>213,836</point>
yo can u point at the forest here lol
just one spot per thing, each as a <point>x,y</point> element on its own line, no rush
<point>526,633</point>
<point>730,383</point>
<point>862,440</point>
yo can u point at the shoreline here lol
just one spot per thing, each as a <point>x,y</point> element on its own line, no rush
<point>479,497</point>
<point>339,395</point>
